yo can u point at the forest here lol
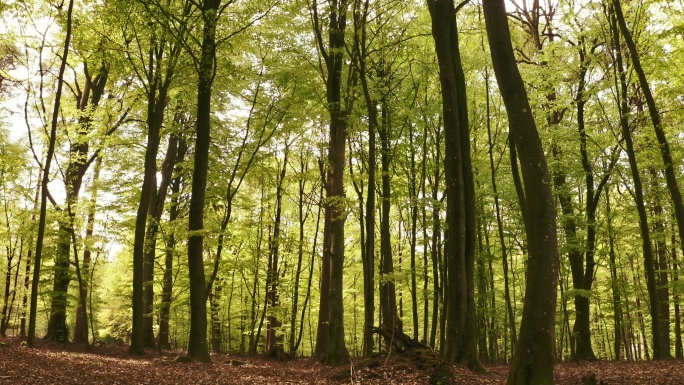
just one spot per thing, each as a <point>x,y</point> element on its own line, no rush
<point>469,183</point>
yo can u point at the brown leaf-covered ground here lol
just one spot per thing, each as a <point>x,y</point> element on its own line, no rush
<point>67,364</point>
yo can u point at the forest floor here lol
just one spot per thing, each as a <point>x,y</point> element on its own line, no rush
<point>64,364</point>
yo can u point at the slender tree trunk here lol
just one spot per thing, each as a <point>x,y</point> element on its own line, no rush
<point>661,350</point>
<point>617,302</point>
<point>679,350</point>
<point>649,260</point>
<point>426,239</point>
<point>360,42</point>
<point>301,216</point>
<point>274,343</point>
<point>170,250</point>
<point>499,223</point>
<point>413,215</point>
<point>81,325</point>
<point>155,211</point>
<point>311,270</point>
<point>534,354</point>
<point>324,303</point>
<point>388,294</point>
<point>215,307</point>
<point>435,249</point>
<point>27,274</point>
<point>483,331</point>
<point>46,179</point>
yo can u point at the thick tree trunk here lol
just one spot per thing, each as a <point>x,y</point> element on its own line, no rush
<point>662,264</point>
<point>197,344</point>
<point>534,354</point>
<point>324,302</point>
<point>330,343</point>
<point>461,342</point>
<point>87,101</point>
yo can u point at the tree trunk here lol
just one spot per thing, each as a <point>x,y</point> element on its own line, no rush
<point>302,216</point>
<point>81,325</point>
<point>174,213</point>
<point>388,294</point>
<point>461,342</point>
<point>661,350</point>
<point>45,180</point>
<point>662,265</point>
<point>311,270</point>
<point>617,303</point>
<point>87,100</point>
<point>361,28</point>
<point>499,224</point>
<point>273,340</point>
<point>330,341</point>
<point>649,260</point>
<point>534,354</point>
<point>197,344</point>
<point>324,302</point>
<point>679,350</point>
<point>27,274</point>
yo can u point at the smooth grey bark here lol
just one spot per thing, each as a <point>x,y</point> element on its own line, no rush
<point>533,359</point>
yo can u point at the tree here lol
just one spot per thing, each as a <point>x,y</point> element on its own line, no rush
<point>330,343</point>
<point>661,338</point>
<point>647,248</point>
<point>534,354</point>
<point>45,179</point>
<point>156,72</point>
<point>461,343</point>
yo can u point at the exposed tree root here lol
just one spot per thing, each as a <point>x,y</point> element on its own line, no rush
<point>421,354</point>
<point>278,353</point>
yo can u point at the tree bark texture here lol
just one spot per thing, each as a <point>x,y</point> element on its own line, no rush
<point>534,354</point>
<point>461,236</point>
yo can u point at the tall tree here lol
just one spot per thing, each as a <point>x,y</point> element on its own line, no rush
<point>663,345</point>
<point>647,249</point>
<point>534,354</point>
<point>45,179</point>
<point>333,53</point>
<point>361,11</point>
<point>461,342</point>
<point>197,345</point>
<point>156,73</point>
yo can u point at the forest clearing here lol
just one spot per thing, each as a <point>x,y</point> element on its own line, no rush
<point>54,363</point>
<point>392,191</point>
